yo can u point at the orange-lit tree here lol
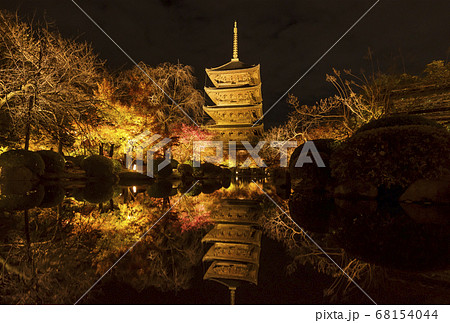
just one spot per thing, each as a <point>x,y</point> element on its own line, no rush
<point>160,100</point>
<point>166,91</point>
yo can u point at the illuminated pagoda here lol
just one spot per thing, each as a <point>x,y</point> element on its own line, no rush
<point>237,97</point>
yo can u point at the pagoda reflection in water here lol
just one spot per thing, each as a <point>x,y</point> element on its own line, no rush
<point>236,247</point>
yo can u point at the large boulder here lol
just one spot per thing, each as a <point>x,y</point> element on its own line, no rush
<point>310,175</point>
<point>22,158</point>
<point>424,191</point>
<point>428,214</point>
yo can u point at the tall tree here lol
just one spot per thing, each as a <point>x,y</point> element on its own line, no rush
<point>46,81</point>
<point>168,91</point>
<point>160,100</point>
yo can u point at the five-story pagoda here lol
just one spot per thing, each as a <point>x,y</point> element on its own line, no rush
<point>237,98</point>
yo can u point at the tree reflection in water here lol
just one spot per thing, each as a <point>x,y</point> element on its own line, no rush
<point>73,242</point>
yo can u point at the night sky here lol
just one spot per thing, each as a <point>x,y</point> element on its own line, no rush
<point>285,37</point>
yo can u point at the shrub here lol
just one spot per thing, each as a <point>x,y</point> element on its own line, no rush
<point>23,158</point>
<point>17,174</point>
<point>174,163</point>
<point>401,120</point>
<point>185,186</point>
<point>98,166</point>
<point>226,177</point>
<point>195,190</point>
<point>207,170</point>
<point>393,156</point>
<point>117,166</point>
<point>54,162</point>
<point>16,180</point>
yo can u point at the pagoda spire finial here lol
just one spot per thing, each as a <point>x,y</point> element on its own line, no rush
<point>235,43</point>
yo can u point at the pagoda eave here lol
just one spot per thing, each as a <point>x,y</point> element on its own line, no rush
<point>235,114</point>
<point>223,78</point>
<point>248,95</point>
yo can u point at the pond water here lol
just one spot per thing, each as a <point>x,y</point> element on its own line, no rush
<point>216,241</point>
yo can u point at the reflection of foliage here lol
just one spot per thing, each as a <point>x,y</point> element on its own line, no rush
<point>239,191</point>
<point>166,260</point>
<point>75,243</point>
<point>193,211</point>
<point>304,252</point>
<point>51,269</point>
<point>390,237</point>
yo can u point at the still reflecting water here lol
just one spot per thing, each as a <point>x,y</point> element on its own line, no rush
<point>218,241</point>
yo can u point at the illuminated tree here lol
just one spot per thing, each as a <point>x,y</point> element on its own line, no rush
<point>46,82</point>
<point>185,135</point>
<point>118,121</point>
<point>160,100</point>
<point>168,91</point>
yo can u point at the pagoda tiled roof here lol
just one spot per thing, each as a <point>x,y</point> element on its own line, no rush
<point>232,65</point>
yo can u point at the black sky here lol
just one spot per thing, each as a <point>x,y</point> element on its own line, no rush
<point>285,37</point>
